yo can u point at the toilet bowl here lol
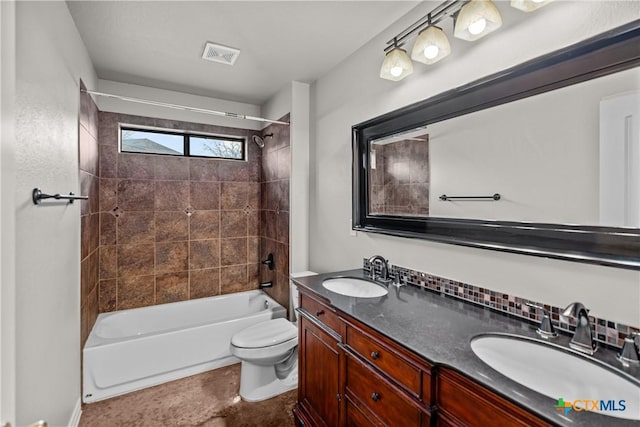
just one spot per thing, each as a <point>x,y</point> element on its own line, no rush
<point>269,354</point>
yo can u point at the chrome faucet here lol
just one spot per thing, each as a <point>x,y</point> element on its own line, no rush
<point>583,336</point>
<point>630,353</point>
<point>546,329</point>
<point>384,269</point>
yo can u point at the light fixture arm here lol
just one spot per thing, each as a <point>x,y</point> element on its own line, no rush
<point>437,14</point>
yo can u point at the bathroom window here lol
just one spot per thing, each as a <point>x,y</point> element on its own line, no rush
<point>170,142</point>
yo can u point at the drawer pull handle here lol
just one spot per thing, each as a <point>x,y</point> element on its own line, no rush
<point>375,355</point>
<point>375,397</point>
<point>319,313</point>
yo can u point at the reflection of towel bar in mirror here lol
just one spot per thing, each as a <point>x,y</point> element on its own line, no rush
<point>494,197</point>
<point>37,196</point>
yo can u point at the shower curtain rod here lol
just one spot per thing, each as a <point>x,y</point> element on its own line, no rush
<point>183,107</point>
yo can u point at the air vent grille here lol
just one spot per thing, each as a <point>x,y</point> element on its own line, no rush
<point>218,53</point>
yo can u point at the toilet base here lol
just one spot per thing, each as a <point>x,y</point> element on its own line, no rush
<point>260,382</point>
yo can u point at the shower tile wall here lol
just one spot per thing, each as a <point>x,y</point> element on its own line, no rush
<point>89,216</point>
<point>274,237</point>
<point>175,228</point>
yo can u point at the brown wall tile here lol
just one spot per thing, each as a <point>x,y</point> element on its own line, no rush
<point>135,166</point>
<point>161,223</point>
<point>107,229</point>
<point>284,163</point>
<point>234,195</point>
<point>234,279</point>
<point>108,128</point>
<point>172,287</point>
<point>204,283</point>
<point>134,195</point>
<point>282,227</point>
<point>136,227</point>
<point>274,214</point>
<point>233,224</point>
<point>205,225</point>
<point>203,169</point>
<point>233,170</point>
<point>233,251</point>
<point>172,195</point>
<point>108,161</point>
<point>204,254</point>
<point>89,187</point>
<point>253,223</point>
<point>253,250</point>
<point>172,226</point>
<point>108,262</point>
<point>172,257</point>
<point>171,168</point>
<point>136,291</point>
<point>135,260</point>
<point>88,153</point>
<point>108,194</point>
<point>205,195</point>
<point>107,295</point>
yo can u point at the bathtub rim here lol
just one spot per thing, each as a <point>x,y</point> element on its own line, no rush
<point>93,340</point>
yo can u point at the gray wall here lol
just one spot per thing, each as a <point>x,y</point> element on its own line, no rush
<point>352,92</point>
<point>50,60</point>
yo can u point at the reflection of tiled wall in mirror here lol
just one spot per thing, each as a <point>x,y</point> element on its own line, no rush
<point>399,177</point>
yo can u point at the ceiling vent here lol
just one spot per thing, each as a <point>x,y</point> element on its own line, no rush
<point>218,53</point>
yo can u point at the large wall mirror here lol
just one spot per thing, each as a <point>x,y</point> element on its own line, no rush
<point>542,159</point>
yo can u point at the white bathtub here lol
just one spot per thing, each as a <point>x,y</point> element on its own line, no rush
<point>132,349</point>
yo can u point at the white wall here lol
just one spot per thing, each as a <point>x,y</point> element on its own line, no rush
<point>168,96</point>
<point>353,92</point>
<point>50,59</point>
<point>7,214</point>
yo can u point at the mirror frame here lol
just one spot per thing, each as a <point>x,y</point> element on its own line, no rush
<point>604,54</point>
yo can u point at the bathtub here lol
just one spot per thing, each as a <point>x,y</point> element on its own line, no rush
<point>132,349</point>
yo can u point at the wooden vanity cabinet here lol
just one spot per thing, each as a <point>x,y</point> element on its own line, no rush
<point>462,402</point>
<point>320,362</point>
<point>350,375</point>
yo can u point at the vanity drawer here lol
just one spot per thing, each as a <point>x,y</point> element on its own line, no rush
<point>385,359</point>
<point>323,313</point>
<point>463,402</point>
<point>387,403</point>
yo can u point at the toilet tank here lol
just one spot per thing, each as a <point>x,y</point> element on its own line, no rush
<point>293,293</point>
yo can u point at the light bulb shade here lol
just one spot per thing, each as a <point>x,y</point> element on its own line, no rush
<point>396,65</point>
<point>470,25</point>
<point>431,46</point>
<point>529,5</point>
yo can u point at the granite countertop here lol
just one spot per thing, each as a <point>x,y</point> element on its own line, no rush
<point>439,328</point>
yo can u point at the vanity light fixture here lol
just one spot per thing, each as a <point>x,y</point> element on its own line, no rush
<point>529,5</point>
<point>473,19</point>
<point>431,45</point>
<point>476,19</point>
<point>396,65</point>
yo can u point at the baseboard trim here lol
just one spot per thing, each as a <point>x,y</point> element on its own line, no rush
<point>75,416</point>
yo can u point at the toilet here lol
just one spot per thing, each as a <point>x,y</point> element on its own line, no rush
<point>269,353</point>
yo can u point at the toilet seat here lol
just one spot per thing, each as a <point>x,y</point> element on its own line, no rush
<point>265,334</point>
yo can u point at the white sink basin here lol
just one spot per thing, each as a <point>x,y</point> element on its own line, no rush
<point>353,287</point>
<point>558,373</point>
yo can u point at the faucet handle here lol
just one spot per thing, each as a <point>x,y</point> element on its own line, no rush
<point>630,353</point>
<point>546,329</point>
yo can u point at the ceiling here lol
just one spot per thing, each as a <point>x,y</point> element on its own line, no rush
<point>160,43</point>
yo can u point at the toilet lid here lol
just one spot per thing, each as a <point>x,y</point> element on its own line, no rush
<point>265,334</point>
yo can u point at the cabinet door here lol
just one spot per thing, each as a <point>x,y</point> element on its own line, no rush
<point>319,376</point>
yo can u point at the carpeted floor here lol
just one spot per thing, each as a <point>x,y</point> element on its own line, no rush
<point>208,400</point>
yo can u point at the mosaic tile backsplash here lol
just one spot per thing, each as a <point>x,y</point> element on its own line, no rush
<point>607,332</point>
